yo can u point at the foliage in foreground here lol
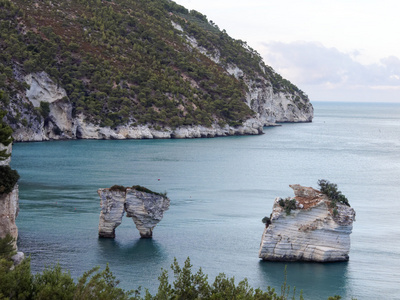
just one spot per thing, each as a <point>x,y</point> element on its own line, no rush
<point>53,283</point>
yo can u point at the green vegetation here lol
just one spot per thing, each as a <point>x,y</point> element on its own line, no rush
<point>5,136</point>
<point>8,179</point>
<point>330,189</point>
<point>288,204</point>
<point>116,188</point>
<point>124,63</point>
<point>266,221</point>
<point>8,176</point>
<point>54,283</point>
<point>138,188</point>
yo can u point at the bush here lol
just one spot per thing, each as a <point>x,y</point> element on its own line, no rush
<point>288,204</point>
<point>146,190</point>
<point>330,189</point>
<point>266,221</point>
<point>8,179</point>
<point>120,188</point>
<point>5,136</point>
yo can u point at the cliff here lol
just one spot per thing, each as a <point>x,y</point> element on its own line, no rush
<point>144,207</point>
<point>307,228</point>
<point>9,200</point>
<point>134,69</point>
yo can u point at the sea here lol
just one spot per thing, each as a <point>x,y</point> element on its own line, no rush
<point>220,189</point>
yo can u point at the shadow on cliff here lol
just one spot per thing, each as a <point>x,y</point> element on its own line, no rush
<point>327,277</point>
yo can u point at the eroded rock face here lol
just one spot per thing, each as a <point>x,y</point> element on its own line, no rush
<point>146,210</point>
<point>9,208</point>
<point>311,232</point>
<point>270,107</point>
<point>112,211</point>
<point>9,205</point>
<point>43,89</point>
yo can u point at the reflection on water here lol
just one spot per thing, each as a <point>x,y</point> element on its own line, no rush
<point>135,250</point>
<point>326,277</point>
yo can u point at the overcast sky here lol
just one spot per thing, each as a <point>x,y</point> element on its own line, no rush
<point>342,50</point>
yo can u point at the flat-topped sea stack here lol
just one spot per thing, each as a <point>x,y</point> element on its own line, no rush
<point>145,207</point>
<point>308,227</point>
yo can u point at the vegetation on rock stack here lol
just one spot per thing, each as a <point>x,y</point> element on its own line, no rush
<point>330,189</point>
<point>126,62</point>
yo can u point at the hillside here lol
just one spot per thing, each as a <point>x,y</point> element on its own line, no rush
<point>133,69</point>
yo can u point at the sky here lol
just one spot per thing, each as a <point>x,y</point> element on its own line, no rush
<point>342,50</point>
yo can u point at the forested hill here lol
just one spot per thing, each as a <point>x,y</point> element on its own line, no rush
<point>130,63</point>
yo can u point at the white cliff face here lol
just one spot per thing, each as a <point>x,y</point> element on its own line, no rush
<point>9,208</point>
<point>9,205</point>
<point>43,89</point>
<point>312,231</point>
<point>146,210</point>
<point>273,106</point>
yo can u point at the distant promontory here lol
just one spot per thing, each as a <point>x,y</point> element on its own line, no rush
<point>133,69</point>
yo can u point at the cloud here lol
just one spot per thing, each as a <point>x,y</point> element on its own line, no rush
<point>310,63</point>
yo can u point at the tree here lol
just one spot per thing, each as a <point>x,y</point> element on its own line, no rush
<point>5,136</point>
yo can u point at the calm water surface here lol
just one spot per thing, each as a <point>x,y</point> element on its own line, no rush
<point>220,189</point>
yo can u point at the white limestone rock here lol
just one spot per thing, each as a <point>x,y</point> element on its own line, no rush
<point>8,151</point>
<point>112,210</point>
<point>312,232</point>
<point>146,210</point>
<point>9,208</point>
<point>43,89</point>
<point>18,258</point>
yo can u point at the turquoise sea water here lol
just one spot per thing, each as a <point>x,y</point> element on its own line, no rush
<point>220,189</point>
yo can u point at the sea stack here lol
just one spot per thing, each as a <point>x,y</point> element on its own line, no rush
<point>307,227</point>
<point>145,207</point>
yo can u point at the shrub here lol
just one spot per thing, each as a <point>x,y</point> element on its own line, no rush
<point>146,190</point>
<point>120,188</point>
<point>266,220</point>
<point>8,179</point>
<point>330,189</point>
<point>5,136</point>
<point>288,204</point>
<point>44,109</point>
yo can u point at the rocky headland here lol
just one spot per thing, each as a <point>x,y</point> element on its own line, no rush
<point>307,227</point>
<point>61,124</point>
<point>177,75</point>
<point>145,207</point>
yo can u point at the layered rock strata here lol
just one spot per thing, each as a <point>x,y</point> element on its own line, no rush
<point>313,231</point>
<point>9,208</point>
<point>145,209</point>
